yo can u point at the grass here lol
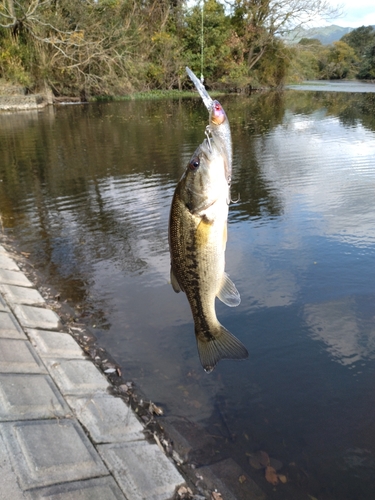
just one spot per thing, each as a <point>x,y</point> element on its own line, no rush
<point>154,94</point>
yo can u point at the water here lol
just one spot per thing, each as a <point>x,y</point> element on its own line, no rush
<point>335,86</point>
<point>87,189</point>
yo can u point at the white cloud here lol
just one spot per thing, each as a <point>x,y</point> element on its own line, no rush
<point>355,14</point>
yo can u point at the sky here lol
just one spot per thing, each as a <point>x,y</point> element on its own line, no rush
<point>356,13</point>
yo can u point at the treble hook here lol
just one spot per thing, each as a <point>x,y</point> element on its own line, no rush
<point>207,133</point>
<point>238,199</point>
<point>229,200</point>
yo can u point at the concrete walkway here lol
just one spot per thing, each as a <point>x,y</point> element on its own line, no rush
<point>62,436</point>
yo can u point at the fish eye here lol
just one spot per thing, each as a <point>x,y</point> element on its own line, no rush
<point>194,164</point>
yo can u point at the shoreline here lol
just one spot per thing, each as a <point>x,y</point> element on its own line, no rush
<point>52,393</point>
<point>177,440</point>
<point>22,102</point>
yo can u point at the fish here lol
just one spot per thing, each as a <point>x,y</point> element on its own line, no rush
<point>197,243</point>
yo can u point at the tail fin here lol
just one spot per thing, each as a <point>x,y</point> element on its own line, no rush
<point>221,345</point>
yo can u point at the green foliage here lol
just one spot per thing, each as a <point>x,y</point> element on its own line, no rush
<point>316,61</point>
<point>117,47</point>
<point>362,41</point>
<point>338,61</point>
<point>304,66</point>
<point>216,36</point>
<point>359,39</point>
<point>310,42</point>
<point>272,69</point>
<point>367,67</point>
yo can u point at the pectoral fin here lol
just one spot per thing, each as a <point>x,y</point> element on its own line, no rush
<point>228,292</point>
<point>175,285</point>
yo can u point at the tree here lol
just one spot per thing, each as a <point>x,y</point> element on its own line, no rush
<point>359,39</point>
<point>339,61</point>
<point>258,22</point>
<point>362,40</point>
<point>367,67</point>
<point>74,45</point>
<point>216,39</point>
<point>310,42</point>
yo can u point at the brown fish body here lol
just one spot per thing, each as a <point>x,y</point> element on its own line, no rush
<point>197,237</point>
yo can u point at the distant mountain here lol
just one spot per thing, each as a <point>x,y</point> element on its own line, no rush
<point>326,35</point>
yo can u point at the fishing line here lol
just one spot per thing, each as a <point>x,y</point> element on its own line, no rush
<point>202,42</point>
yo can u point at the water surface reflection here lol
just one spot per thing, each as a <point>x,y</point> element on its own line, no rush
<point>87,190</point>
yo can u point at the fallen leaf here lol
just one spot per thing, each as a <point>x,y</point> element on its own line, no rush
<point>271,475</point>
<point>282,478</point>
<point>254,462</point>
<point>276,464</point>
<point>155,409</point>
<point>215,495</point>
<point>242,479</point>
<point>184,492</point>
<point>263,458</point>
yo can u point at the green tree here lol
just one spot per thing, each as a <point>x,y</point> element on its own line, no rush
<point>359,39</point>
<point>338,61</point>
<point>362,40</point>
<point>216,39</point>
<point>367,67</point>
<point>259,22</point>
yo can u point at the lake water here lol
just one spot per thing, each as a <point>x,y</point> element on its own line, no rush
<point>87,189</point>
<point>335,86</point>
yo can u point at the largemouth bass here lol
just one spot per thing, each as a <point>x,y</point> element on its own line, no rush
<point>197,240</point>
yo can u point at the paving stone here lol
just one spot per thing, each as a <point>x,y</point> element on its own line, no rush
<point>18,356</point>
<point>10,489</point>
<point>142,470</point>
<point>3,305</point>
<point>76,377</point>
<point>8,263</point>
<point>9,328</point>
<point>45,452</point>
<point>107,418</point>
<point>21,295</point>
<point>224,476</point>
<point>36,317</point>
<point>103,488</point>
<point>55,344</point>
<point>25,397</point>
<point>14,278</point>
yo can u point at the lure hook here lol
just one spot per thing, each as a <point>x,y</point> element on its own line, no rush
<point>207,133</point>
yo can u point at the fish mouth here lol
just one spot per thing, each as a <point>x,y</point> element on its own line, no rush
<point>218,115</point>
